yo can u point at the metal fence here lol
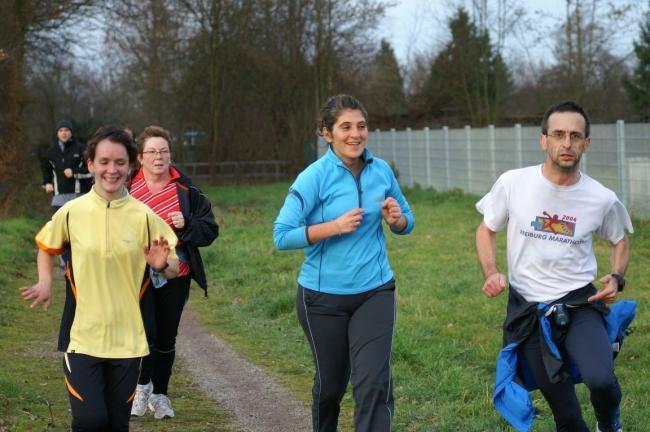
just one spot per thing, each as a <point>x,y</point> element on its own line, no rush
<point>472,158</point>
<point>237,171</point>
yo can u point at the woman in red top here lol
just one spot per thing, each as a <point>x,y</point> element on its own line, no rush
<point>173,197</point>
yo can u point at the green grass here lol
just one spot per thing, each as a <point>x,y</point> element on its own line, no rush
<point>32,393</point>
<point>448,334</point>
<point>447,337</point>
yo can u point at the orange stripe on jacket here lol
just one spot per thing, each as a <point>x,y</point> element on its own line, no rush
<point>49,251</point>
<point>68,274</point>
<point>145,287</point>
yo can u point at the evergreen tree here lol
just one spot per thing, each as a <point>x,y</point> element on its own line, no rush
<point>386,100</point>
<point>468,79</point>
<point>638,86</point>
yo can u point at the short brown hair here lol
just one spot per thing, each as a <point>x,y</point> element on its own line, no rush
<point>114,134</point>
<point>562,107</point>
<point>153,131</point>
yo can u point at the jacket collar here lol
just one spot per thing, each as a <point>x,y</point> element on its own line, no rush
<point>116,203</point>
<point>175,175</point>
<point>367,156</point>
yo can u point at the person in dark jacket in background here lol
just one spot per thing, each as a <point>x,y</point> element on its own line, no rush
<point>65,174</point>
<point>172,196</point>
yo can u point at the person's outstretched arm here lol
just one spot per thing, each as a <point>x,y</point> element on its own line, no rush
<point>41,291</point>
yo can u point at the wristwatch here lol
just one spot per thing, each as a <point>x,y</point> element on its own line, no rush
<point>620,280</point>
<point>160,270</point>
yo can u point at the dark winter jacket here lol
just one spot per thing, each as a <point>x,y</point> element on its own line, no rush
<point>200,229</point>
<point>56,161</point>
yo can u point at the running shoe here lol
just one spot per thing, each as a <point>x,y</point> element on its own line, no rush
<point>161,407</point>
<point>142,394</point>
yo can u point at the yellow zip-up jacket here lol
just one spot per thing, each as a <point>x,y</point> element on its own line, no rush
<point>108,272</point>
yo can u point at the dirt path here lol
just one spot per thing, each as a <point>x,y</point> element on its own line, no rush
<point>256,402</point>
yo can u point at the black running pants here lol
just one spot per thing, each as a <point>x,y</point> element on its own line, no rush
<point>101,391</point>
<point>169,301</point>
<point>351,340</point>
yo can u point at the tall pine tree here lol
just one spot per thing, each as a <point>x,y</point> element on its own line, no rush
<point>386,100</point>
<point>468,79</point>
<point>638,86</point>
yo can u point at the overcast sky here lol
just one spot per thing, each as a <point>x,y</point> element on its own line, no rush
<point>420,26</point>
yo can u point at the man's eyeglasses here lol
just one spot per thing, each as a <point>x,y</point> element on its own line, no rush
<point>560,135</point>
<point>153,153</point>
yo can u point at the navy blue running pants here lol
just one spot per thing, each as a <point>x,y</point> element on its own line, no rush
<point>585,342</point>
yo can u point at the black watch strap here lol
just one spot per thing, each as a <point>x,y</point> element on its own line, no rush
<point>160,270</point>
<point>620,280</point>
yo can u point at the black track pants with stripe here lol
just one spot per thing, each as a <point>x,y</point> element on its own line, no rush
<point>101,391</point>
<point>351,339</point>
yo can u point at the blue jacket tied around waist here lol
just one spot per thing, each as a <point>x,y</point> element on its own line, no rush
<point>512,384</point>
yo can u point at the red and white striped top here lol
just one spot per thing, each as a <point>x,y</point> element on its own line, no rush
<point>162,203</point>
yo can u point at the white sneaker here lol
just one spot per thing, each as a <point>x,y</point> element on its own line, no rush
<point>161,407</point>
<point>142,394</point>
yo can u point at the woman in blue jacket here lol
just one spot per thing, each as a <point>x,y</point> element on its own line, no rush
<point>346,289</point>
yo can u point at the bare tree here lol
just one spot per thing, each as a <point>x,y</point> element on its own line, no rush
<point>584,41</point>
<point>28,30</point>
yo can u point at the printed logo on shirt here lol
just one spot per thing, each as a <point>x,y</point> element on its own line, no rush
<point>553,224</point>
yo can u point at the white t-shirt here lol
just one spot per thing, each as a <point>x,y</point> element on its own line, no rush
<point>550,229</point>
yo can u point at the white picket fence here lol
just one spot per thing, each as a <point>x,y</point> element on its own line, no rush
<point>472,158</point>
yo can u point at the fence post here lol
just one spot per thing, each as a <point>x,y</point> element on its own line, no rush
<point>410,153</point>
<point>378,135</point>
<point>493,162</point>
<point>445,135</point>
<point>518,145</point>
<point>622,172</point>
<point>468,142</point>
<point>427,152</point>
<point>392,140</point>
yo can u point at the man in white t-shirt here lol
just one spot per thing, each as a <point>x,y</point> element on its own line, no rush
<point>550,212</point>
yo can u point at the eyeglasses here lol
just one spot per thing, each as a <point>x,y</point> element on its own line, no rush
<point>560,135</point>
<point>154,153</point>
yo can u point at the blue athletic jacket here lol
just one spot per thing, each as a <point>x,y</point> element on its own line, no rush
<point>511,395</point>
<point>351,263</point>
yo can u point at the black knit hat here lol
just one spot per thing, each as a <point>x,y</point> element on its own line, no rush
<point>64,124</point>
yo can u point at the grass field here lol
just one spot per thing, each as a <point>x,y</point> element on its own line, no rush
<point>447,337</point>
<point>448,333</point>
<point>32,393</point>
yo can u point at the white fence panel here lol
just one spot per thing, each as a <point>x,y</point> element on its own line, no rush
<point>472,158</point>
